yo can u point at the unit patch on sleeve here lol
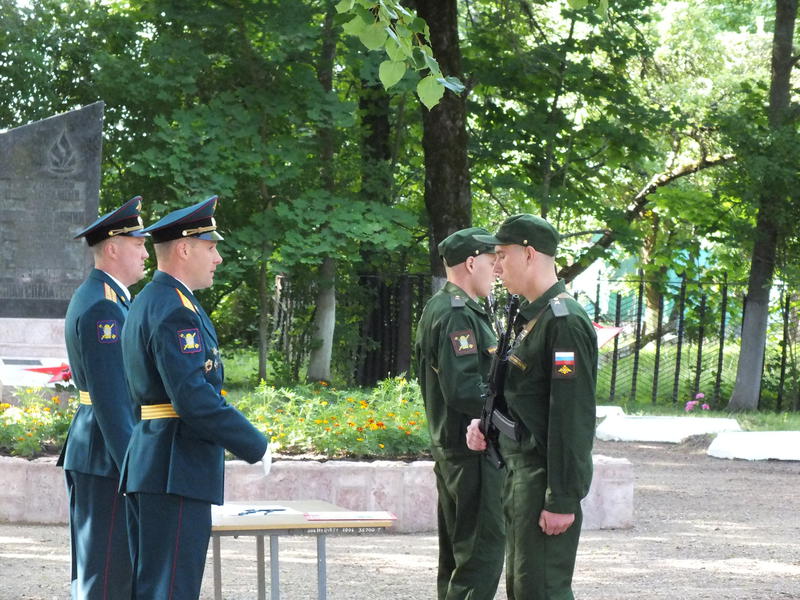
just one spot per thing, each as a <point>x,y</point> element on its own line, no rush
<point>564,364</point>
<point>107,332</point>
<point>190,341</point>
<point>464,342</point>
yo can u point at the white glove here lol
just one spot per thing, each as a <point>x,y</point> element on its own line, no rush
<point>266,460</point>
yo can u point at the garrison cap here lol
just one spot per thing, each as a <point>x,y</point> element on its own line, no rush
<point>195,221</point>
<point>459,246</point>
<point>525,230</point>
<point>123,221</point>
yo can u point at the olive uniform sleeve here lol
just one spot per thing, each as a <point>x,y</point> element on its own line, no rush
<point>99,331</point>
<point>458,362</point>
<point>572,354</point>
<point>194,387</point>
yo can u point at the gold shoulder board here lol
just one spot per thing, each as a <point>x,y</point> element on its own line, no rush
<point>185,301</point>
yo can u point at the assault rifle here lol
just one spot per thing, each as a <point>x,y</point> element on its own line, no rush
<point>493,419</point>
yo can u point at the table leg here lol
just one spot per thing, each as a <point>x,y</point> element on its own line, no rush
<point>262,584</point>
<point>274,571</point>
<point>321,568</point>
<point>217,567</point>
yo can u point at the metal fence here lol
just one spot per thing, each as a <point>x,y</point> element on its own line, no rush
<point>679,338</point>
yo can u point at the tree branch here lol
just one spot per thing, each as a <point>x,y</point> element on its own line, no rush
<point>636,208</point>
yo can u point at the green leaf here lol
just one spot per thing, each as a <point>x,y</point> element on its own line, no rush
<point>390,72</point>
<point>433,65</point>
<point>373,36</point>
<point>430,91</point>
<point>452,83</point>
<point>396,50</point>
<point>355,26</point>
<point>578,4</point>
<point>344,6</point>
<point>602,8</point>
<point>387,10</point>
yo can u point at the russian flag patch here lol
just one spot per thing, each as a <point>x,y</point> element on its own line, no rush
<point>563,364</point>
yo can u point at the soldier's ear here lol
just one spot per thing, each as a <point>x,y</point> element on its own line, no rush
<point>470,264</point>
<point>530,253</point>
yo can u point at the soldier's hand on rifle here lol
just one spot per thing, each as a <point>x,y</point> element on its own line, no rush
<point>475,439</point>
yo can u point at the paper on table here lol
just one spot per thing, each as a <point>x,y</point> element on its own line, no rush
<point>347,515</point>
<point>237,510</point>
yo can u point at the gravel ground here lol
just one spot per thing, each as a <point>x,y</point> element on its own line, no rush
<point>705,528</point>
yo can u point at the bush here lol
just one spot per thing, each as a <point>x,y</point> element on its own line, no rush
<point>38,425</point>
<point>387,421</point>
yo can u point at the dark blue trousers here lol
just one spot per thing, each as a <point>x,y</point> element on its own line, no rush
<point>169,539</point>
<point>101,566</point>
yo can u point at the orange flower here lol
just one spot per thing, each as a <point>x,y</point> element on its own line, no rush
<point>223,392</point>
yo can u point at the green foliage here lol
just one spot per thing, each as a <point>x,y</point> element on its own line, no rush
<point>387,25</point>
<point>386,422</point>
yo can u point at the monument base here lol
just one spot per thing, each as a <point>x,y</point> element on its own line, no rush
<point>32,337</point>
<point>33,491</point>
<point>26,343</point>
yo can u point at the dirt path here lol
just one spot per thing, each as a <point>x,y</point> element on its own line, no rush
<point>705,529</point>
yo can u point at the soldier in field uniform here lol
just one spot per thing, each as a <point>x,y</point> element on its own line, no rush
<point>549,392</point>
<point>174,467</point>
<point>454,344</point>
<point>99,433</point>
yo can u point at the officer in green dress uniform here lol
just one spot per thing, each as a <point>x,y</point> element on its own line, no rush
<point>454,344</point>
<point>550,394</point>
<point>99,433</point>
<point>174,466</point>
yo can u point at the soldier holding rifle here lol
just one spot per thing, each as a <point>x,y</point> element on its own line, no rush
<point>549,393</point>
<point>454,345</point>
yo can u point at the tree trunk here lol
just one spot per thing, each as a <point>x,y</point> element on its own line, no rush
<point>263,321</point>
<point>319,365</point>
<point>747,389</point>
<point>444,138</point>
<point>403,362</point>
<point>376,152</point>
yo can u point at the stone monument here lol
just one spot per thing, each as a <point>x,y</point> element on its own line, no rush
<point>49,190</point>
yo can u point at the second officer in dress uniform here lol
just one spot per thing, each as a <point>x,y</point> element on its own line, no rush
<point>174,467</point>
<point>99,433</point>
<point>453,349</point>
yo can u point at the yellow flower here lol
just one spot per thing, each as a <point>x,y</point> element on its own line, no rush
<point>359,439</point>
<point>223,392</point>
<point>381,446</point>
<point>324,403</point>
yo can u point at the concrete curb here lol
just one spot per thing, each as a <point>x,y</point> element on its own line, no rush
<point>33,491</point>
